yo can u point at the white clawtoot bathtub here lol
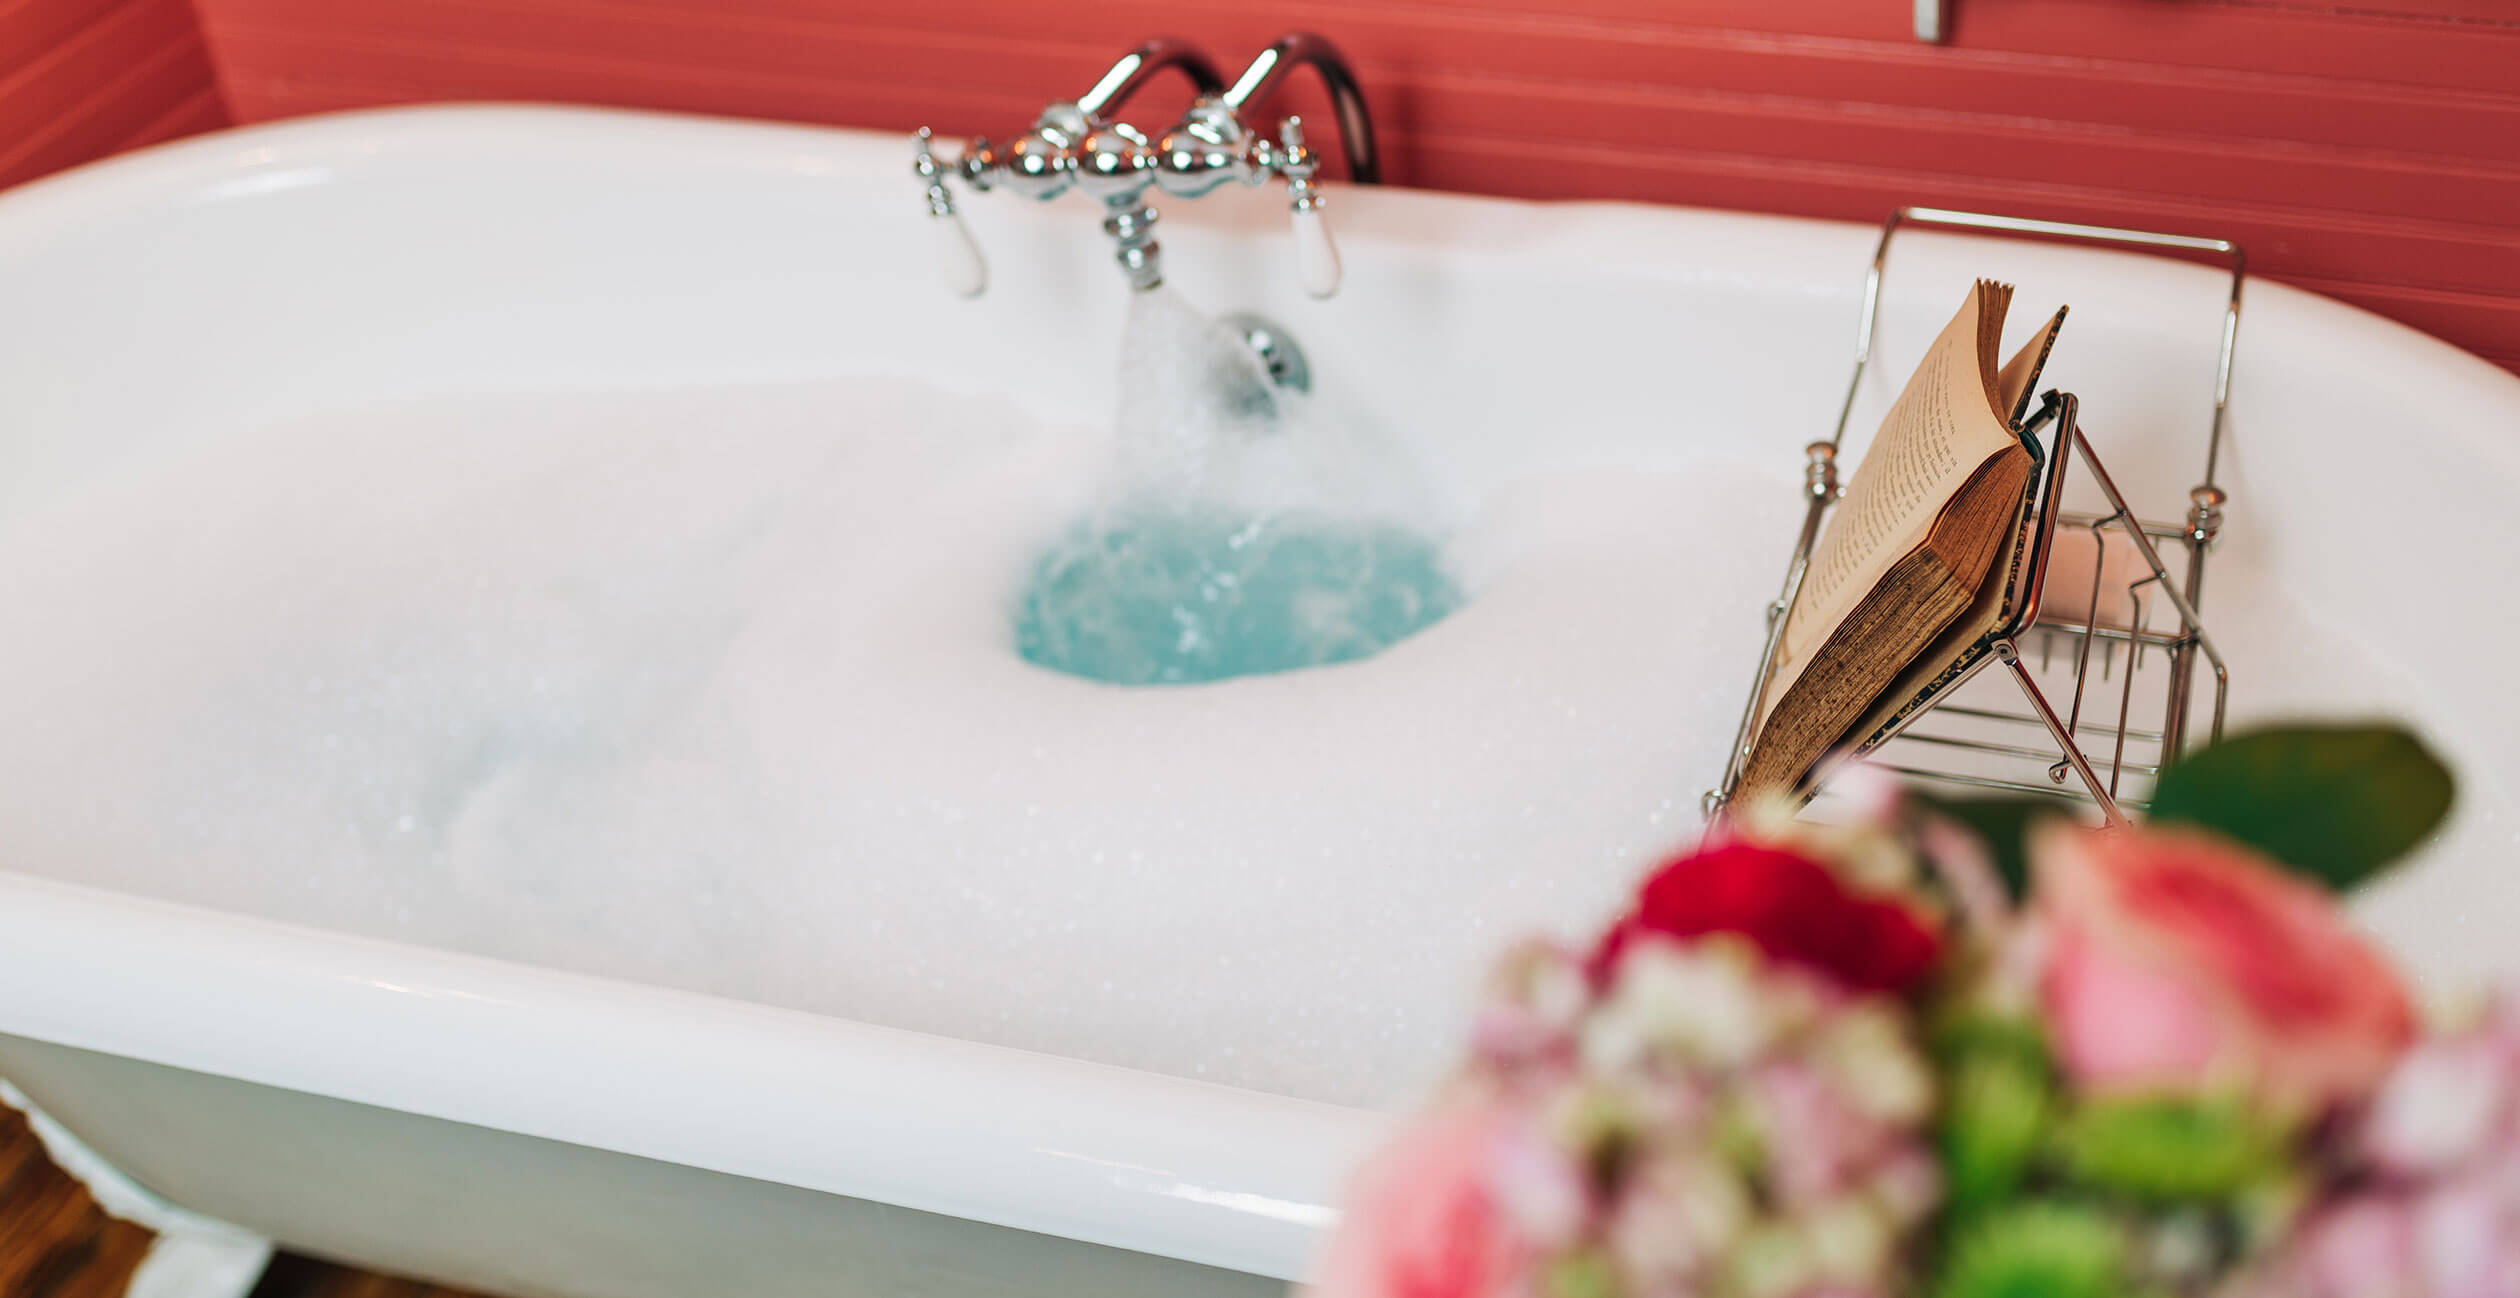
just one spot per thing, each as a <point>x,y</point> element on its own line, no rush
<point>515,772</point>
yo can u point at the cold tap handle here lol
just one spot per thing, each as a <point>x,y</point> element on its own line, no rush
<point>1316,255</point>
<point>957,253</point>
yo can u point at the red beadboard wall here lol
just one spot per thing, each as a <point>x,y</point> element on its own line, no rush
<point>2368,149</point>
<point>84,78</point>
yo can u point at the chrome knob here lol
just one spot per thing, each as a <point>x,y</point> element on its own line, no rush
<point>1115,162</point>
<point>1037,165</point>
<point>1207,148</point>
<point>979,164</point>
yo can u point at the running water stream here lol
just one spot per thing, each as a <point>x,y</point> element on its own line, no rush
<point>1240,534</point>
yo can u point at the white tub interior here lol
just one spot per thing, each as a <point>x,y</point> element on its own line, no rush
<point>548,556</point>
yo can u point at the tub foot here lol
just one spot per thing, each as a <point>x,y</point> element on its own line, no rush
<point>200,1266</point>
<point>193,1257</point>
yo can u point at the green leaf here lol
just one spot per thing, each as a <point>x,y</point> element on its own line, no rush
<point>1994,1120</point>
<point>2035,1249</point>
<point>2335,803</point>
<point>2166,1151</point>
<point>1998,1101</point>
<point>1960,1031</point>
<point>2003,821</point>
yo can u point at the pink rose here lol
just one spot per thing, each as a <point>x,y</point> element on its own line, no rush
<point>1424,1217</point>
<point>2179,961</point>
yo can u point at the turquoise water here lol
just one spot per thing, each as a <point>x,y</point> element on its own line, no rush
<point>1158,596</point>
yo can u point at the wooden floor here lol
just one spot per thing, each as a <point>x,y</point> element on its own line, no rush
<point>55,1243</point>
<point>292,1276</point>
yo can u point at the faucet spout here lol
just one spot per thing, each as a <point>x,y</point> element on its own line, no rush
<point>1302,49</point>
<point>1144,64</point>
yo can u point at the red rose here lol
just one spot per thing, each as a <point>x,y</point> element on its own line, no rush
<point>1792,907</point>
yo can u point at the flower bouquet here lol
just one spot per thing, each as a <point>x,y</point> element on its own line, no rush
<point>1979,1050</point>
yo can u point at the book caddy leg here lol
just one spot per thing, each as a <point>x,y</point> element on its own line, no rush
<point>2139,621</point>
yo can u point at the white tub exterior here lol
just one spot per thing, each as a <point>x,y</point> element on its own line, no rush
<point>532,1131</point>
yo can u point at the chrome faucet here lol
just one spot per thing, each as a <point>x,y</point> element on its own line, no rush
<point>1077,144</point>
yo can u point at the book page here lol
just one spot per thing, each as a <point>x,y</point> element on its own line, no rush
<point>1936,434</point>
<point>1959,644</point>
<point>1995,600</point>
<point>2021,373</point>
<point>1942,427</point>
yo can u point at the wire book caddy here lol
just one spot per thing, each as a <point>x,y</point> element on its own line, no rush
<point>2099,748</point>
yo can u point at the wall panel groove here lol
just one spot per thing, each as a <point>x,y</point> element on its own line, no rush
<point>203,111</point>
<point>111,110</point>
<point>79,79</point>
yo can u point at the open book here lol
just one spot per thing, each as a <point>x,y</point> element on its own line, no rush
<point>1915,564</point>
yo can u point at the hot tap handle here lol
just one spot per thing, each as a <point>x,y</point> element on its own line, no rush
<point>957,253</point>
<point>958,256</point>
<point>1316,256</point>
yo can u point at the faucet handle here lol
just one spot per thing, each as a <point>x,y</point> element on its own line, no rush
<point>1316,256</point>
<point>957,253</point>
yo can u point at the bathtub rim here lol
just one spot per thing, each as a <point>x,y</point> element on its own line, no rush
<point>1137,1160</point>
